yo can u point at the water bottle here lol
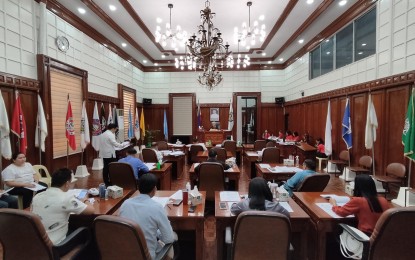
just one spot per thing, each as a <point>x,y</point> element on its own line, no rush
<point>188,187</point>
<point>158,165</point>
<point>102,191</point>
<point>297,161</point>
<point>106,194</point>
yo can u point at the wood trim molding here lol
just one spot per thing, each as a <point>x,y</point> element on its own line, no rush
<point>102,98</point>
<point>14,81</point>
<point>387,82</point>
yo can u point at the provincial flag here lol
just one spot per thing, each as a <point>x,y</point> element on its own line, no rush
<point>103,120</point>
<point>85,138</point>
<point>19,124</point>
<point>41,126</point>
<point>347,126</point>
<point>70,127</point>
<point>328,147</point>
<point>6,149</point>
<point>130,124</point>
<point>142,124</point>
<point>408,133</point>
<point>96,128</point>
<point>371,124</point>
<point>136,125</point>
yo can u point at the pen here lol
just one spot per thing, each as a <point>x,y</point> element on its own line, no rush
<point>168,206</point>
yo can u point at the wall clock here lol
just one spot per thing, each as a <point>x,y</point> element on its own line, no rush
<point>62,43</point>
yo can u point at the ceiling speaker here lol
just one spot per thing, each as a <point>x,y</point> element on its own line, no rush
<point>147,101</point>
<point>279,100</point>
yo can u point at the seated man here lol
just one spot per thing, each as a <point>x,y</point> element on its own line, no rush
<point>56,204</point>
<point>138,166</point>
<point>293,182</point>
<point>150,215</point>
<point>7,201</point>
<point>212,157</point>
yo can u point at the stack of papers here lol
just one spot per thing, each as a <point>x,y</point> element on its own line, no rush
<point>340,200</point>
<point>178,195</point>
<point>162,200</point>
<point>5,191</point>
<point>177,153</point>
<point>150,166</point>
<point>229,196</point>
<point>264,165</point>
<point>37,187</point>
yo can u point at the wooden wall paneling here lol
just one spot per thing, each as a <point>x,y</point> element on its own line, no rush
<point>378,99</point>
<point>335,126</point>
<point>358,110</point>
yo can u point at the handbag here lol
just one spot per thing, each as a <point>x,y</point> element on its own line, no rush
<point>350,247</point>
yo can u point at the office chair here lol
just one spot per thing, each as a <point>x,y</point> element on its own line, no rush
<point>23,236</point>
<point>344,158</point>
<point>271,144</point>
<point>221,154</point>
<point>271,155</point>
<point>162,146</point>
<point>45,178</point>
<point>259,145</point>
<point>261,235</point>
<point>122,175</point>
<point>194,149</point>
<point>395,173</point>
<point>314,183</point>
<point>230,146</point>
<point>149,155</point>
<point>120,238</point>
<point>211,179</point>
<point>392,237</point>
<point>364,165</point>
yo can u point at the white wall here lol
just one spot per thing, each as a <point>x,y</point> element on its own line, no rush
<point>18,44</point>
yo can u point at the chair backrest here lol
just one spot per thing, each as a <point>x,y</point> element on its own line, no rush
<point>259,145</point>
<point>344,155</point>
<point>271,155</point>
<point>314,183</point>
<point>162,145</point>
<point>149,155</point>
<point>211,179</point>
<point>393,235</point>
<point>45,178</point>
<point>230,146</point>
<point>194,149</point>
<point>366,161</point>
<point>122,175</point>
<point>221,153</point>
<point>396,170</point>
<point>23,236</point>
<point>271,144</point>
<point>120,238</point>
<point>261,235</point>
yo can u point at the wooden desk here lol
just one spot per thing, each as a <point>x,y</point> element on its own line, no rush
<point>164,176</point>
<point>322,222</point>
<point>232,175</point>
<point>248,147</point>
<point>182,220</point>
<point>203,155</point>
<point>177,162</point>
<point>287,149</point>
<point>251,157</point>
<point>306,151</point>
<point>270,176</point>
<point>216,137</point>
<point>299,219</point>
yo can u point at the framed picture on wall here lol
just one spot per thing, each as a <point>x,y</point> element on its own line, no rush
<point>214,114</point>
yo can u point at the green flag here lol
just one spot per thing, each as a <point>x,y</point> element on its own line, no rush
<point>408,133</point>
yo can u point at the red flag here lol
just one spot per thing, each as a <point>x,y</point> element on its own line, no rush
<point>19,124</point>
<point>70,127</point>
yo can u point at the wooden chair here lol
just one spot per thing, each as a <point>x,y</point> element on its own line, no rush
<point>271,144</point>
<point>344,158</point>
<point>162,146</point>
<point>43,174</point>
<point>149,155</point>
<point>364,166</point>
<point>211,179</point>
<point>194,149</point>
<point>23,236</point>
<point>261,235</point>
<point>230,146</point>
<point>271,155</point>
<point>395,173</point>
<point>122,175</point>
<point>314,183</point>
<point>392,237</point>
<point>259,145</point>
<point>221,153</point>
<point>120,238</point>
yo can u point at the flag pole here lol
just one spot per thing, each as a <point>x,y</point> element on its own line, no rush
<point>38,133</point>
<point>1,155</point>
<point>67,142</point>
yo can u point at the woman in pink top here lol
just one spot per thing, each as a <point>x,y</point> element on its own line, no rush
<point>365,204</point>
<point>320,148</point>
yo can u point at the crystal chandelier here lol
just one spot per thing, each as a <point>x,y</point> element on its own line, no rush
<point>248,35</point>
<point>244,62</point>
<point>207,52</point>
<point>178,36</point>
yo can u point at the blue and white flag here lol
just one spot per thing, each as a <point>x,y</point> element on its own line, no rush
<point>136,125</point>
<point>166,129</point>
<point>347,126</point>
<point>130,124</point>
<point>199,116</point>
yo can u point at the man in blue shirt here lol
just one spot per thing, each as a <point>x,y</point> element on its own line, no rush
<point>293,182</point>
<point>138,166</point>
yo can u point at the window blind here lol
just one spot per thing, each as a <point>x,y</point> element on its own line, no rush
<point>63,84</point>
<point>182,115</point>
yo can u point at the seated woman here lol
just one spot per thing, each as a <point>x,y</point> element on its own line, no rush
<point>289,136</point>
<point>266,135</point>
<point>365,204</point>
<point>280,135</point>
<point>296,137</point>
<point>259,198</point>
<point>20,174</point>
<point>320,148</point>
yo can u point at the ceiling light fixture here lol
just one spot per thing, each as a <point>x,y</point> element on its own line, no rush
<point>175,37</point>
<point>342,2</point>
<point>301,41</point>
<point>245,61</point>
<point>81,10</point>
<point>248,33</point>
<point>112,7</point>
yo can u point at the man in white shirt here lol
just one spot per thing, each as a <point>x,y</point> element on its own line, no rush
<point>107,150</point>
<point>54,206</point>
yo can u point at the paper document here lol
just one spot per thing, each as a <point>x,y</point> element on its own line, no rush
<point>339,199</point>
<point>229,170</point>
<point>37,187</point>
<point>327,207</point>
<point>178,195</point>
<point>251,153</point>
<point>286,206</point>
<point>162,200</point>
<point>177,153</point>
<point>229,196</point>
<point>264,165</point>
<point>195,165</point>
<point>150,166</point>
<point>5,191</point>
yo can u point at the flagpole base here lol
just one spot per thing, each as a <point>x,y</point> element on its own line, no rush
<point>348,175</point>
<point>98,164</point>
<point>330,168</point>
<point>81,171</point>
<point>73,179</point>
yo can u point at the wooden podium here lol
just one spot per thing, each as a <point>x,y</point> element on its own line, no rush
<point>216,137</point>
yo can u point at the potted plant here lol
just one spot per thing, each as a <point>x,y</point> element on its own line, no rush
<point>150,136</point>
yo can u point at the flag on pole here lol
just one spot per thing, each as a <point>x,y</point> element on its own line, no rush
<point>103,120</point>
<point>70,127</point>
<point>165,128</point>
<point>109,121</point>
<point>347,126</point>
<point>408,133</point>
<point>6,149</point>
<point>199,116</point>
<point>85,138</point>
<point>96,128</point>
<point>328,147</point>
<point>130,124</point>
<point>230,120</point>
<point>114,116</point>
<point>41,126</point>
<point>142,125</point>
<point>136,125</point>
<point>371,124</point>
<point>19,124</point>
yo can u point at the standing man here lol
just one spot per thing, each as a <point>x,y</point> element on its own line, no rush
<point>138,166</point>
<point>293,182</point>
<point>150,216</point>
<point>55,205</point>
<point>107,150</point>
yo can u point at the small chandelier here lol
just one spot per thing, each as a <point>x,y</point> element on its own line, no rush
<point>178,36</point>
<point>248,34</point>
<point>244,62</point>
<point>207,53</point>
